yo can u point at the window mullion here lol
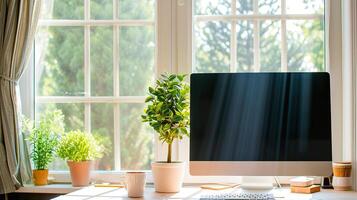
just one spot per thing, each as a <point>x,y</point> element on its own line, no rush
<point>233,64</point>
<point>87,90</point>
<point>116,91</point>
<point>284,52</point>
<point>256,34</point>
<point>95,99</point>
<point>102,22</point>
<point>205,18</point>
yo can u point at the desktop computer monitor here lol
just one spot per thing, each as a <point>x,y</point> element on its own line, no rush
<point>260,124</point>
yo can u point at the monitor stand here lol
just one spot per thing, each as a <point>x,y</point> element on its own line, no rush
<point>261,183</point>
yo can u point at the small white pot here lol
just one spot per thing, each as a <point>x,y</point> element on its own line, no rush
<point>168,177</point>
<point>342,183</point>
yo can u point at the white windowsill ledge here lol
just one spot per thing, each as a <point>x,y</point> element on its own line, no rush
<point>65,188</point>
<point>48,189</point>
<point>57,188</point>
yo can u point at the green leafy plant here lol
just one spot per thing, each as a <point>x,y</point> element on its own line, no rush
<point>167,109</point>
<point>79,146</point>
<point>44,137</point>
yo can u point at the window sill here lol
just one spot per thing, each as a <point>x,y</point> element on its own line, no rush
<point>63,188</point>
<point>62,182</point>
<point>48,189</point>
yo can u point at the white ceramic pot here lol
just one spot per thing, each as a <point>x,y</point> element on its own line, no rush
<point>342,183</point>
<point>168,177</point>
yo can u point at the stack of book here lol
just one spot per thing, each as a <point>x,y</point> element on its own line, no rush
<point>303,185</point>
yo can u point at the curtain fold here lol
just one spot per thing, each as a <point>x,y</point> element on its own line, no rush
<point>18,22</point>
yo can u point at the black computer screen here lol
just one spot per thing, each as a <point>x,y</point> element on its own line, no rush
<point>260,117</point>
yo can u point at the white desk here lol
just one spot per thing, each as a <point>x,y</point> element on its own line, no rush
<point>193,192</point>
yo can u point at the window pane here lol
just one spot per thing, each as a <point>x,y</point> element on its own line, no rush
<point>73,113</point>
<point>305,45</point>
<point>62,9</point>
<point>270,40</point>
<point>245,46</point>
<point>138,9</point>
<point>269,7</point>
<point>244,7</point>
<point>212,47</point>
<point>73,120</point>
<point>136,139</point>
<point>305,7</point>
<point>59,51</point>
<point>102,123</point>
<point>212,7</point>
<point>101,9</point>
<point>101,59</point>
<point>136,55</point>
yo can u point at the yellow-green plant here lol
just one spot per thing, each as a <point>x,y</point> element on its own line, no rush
<point>79,146</point>
<point>167,109</point>
<point>44,137</point>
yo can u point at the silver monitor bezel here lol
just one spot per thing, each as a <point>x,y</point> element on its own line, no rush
<point>260,168</point>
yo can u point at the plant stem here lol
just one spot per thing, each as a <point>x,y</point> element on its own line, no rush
<point>169,145</point>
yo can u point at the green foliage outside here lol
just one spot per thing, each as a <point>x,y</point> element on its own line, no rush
<point>44,138</point>
<point>305,39</point>
<point>168,109</point>
<point>104,142</point>
<point>79,146</point>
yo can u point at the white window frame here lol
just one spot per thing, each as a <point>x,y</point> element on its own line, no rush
<point>174,52</point>
<point>184,20</point>
<point>116,99</point>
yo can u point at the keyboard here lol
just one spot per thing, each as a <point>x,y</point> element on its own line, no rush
<point>238,195</point>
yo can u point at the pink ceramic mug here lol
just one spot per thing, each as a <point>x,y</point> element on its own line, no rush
<point>135,183</point>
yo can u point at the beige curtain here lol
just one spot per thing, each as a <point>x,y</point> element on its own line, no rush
<point>18,21</point>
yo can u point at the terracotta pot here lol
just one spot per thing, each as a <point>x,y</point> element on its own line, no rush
<point>40,176</point>
<point>168,177</point>
<point>80,172</point>
<point>342,169</point>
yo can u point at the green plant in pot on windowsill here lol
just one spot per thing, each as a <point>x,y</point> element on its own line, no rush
<point>167,112</point>
<point>43,141</point>
<point>80,150</point>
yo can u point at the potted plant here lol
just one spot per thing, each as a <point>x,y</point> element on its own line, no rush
<point>80,150</point>
<point>43,141</point>
<point>167,112</point>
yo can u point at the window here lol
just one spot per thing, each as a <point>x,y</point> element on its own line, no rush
<point>258,35</point>
<point>94,60</point>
